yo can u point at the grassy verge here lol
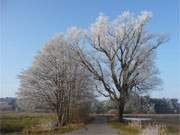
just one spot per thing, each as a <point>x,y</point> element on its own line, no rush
<point>124,129</point>
<point>171,121</point>
<point>159,125</point>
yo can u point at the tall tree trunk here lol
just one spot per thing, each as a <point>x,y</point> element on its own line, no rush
<point>121,110</point>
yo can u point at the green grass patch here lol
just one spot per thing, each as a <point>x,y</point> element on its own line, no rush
<point>124,129</point>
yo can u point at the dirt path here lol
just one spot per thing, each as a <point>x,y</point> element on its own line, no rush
<point>98,127</point>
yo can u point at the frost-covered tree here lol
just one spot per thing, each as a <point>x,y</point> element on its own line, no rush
<point>121,55</point>
<point>56,81</point>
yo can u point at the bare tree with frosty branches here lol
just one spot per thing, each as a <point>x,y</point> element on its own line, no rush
<point>120,54</point>
<point>56,81</point>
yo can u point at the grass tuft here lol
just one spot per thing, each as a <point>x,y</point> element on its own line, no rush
<point>124,129</point>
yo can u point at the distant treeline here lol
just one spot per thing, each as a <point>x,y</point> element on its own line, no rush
<point>136,104</point>
<point>146,104</point>
<point>141,104</point>
<point>11,104</point>
<point>8,104</point>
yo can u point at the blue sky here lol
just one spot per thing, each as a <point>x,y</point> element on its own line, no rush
<point>27,24</point>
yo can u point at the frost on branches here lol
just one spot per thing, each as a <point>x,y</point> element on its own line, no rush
<point>56,82</point>
<point>120,54</point>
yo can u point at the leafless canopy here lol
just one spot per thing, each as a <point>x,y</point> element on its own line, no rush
<point>56,81</point>
<point>120,54</point>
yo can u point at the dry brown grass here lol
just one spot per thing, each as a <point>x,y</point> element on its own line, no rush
<point>155,130</point>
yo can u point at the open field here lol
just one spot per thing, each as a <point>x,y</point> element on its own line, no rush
<point>37,124</point>
<point>32,123</point>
